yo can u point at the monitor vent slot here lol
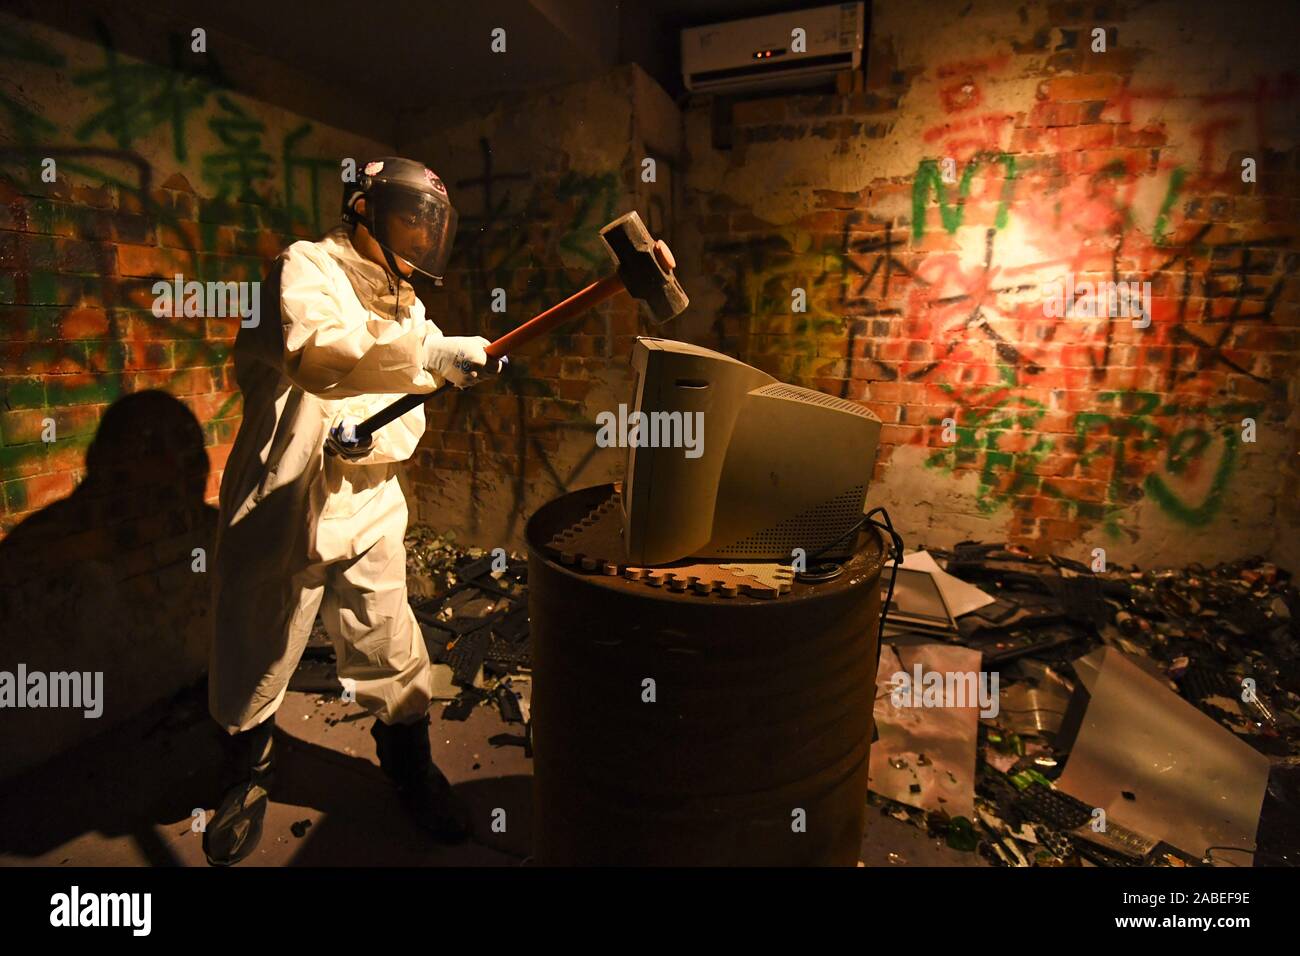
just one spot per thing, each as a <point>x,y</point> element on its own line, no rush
<point>809,397</point>
<point>815,528</point>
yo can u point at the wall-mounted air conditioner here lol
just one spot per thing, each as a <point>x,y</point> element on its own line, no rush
<point>760,52</point>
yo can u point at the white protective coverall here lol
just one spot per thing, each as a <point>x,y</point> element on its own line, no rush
<point>301,531</point>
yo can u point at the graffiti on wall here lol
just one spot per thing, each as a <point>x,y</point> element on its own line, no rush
<point>263,192</point>
<point>546,229</point>
<point>1076,409</point>
<point>532,234</point>
<point>1187,452</point>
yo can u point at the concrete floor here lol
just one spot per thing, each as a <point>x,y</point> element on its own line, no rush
<point>127,799</point>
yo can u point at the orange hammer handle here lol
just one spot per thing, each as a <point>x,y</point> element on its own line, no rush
<point>539,325</point>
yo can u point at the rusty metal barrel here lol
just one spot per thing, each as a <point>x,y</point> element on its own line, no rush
<point>753,750</point>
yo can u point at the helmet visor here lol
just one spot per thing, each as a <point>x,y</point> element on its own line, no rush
<point>414,226</point>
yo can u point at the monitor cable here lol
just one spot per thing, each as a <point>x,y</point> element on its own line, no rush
<point>824,573</point>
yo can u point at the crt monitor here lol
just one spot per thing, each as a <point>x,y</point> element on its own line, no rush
<point>726,462</point>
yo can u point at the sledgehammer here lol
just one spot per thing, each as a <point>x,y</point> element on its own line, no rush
<point>645,270</point>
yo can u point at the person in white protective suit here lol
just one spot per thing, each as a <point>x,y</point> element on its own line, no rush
<point>312,521</point>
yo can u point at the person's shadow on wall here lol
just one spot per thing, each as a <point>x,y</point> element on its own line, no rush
<point>107,580</point>
<point>111,578</point>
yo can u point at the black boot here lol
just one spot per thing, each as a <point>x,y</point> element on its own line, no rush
<point>405,756</point>
<point>235,829</point>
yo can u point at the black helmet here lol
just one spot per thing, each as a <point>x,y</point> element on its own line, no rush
<point>407,211</point>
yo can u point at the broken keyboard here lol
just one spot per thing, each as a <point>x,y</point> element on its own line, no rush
<point>1075,817</point>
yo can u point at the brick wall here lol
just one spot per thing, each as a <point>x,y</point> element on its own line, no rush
<point>115,423</point>
<point>987,153</point>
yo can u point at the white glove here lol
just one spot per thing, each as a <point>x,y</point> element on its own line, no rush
<point>460,359</point>
<point>342,439</point>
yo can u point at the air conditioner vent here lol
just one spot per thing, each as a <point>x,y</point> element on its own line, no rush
<point>762,51</point>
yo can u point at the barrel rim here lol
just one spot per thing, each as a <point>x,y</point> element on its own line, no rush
<point>862,563</point>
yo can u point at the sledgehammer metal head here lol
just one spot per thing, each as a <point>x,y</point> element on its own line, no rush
<point>645,266</point>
